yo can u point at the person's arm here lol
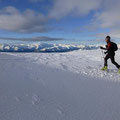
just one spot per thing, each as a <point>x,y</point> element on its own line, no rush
<point>103,48</point>
<point>107,47</point>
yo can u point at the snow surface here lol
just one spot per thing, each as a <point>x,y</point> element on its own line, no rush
<point>87,62</point>
<point>58,86</point>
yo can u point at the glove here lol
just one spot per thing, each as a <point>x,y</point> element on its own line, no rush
<point>106,46</point>
<point>101,47</point>
<point>105,52</point>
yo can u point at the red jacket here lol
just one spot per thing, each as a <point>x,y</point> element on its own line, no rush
<point>109,45</point>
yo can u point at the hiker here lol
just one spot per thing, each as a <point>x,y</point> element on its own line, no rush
<point>110,53</point>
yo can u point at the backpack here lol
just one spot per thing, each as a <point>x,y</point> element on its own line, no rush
<point>115,47</point>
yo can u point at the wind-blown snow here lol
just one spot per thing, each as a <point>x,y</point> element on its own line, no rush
<point>87,62</point>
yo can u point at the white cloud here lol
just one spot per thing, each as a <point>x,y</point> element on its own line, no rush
<point>115,34</point>
<point>12,19</point>
<point>106,15</point>
<point>63,8</point>
<point>109,17</point>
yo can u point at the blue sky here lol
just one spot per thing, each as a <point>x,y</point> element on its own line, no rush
<point>60,19</point>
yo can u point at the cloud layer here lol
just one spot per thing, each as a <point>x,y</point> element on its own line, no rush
<point>63,8</point>
<point>38,38</point>
<point>105,15</point>
<point>109,17</point>
<point>12,19</point>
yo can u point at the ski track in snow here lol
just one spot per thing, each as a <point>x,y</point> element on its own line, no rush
<point>87,62</point>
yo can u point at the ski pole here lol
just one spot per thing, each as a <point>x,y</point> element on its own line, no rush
<point>102,53</point>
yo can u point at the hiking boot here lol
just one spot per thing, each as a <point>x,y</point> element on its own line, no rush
<point>104,68</point>
<point>119,70</point>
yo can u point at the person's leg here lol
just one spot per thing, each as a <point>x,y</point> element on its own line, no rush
<point>112,57</point>
<point>105,60</point>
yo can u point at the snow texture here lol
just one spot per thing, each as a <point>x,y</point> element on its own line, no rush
<point>58,86</point>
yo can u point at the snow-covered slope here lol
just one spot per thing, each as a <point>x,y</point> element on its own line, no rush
<point>58,86</point>
<point>87,62</point>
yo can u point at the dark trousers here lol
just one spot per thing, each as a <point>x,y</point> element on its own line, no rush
<point>112,57</point>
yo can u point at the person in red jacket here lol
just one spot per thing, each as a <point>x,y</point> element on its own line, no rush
<point>110,53</point>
